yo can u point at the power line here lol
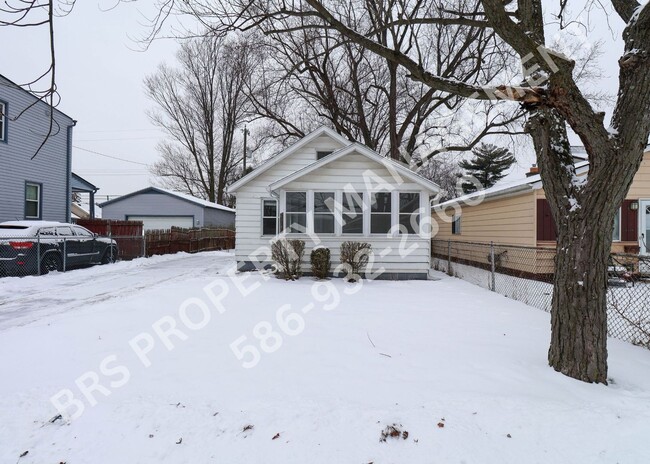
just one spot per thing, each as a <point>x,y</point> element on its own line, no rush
<point>117,139</point>
<point>109,156</point>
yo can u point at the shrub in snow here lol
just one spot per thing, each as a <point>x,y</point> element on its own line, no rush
<point>320,262</point>
<point>287,255</point>
<point>354,256</point>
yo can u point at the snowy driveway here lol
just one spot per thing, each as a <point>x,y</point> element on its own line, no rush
<point>294,372</point>
<point>27,299</point>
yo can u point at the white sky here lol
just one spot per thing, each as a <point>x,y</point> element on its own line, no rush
<point>100,74</point>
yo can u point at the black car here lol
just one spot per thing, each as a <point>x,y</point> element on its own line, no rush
<point>61,246</point>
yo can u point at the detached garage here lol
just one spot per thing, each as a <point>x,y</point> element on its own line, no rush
<point>163,209</point>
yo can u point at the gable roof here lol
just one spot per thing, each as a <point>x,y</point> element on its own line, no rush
<point>323,130</point>
<point>357,148</point>
<point>179,195</point>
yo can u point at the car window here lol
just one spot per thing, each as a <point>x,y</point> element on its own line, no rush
<point>64,231</point>
<point>83,232</point>
<point>47,231</point>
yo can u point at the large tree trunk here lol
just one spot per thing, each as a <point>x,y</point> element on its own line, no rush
<point>579,311</point>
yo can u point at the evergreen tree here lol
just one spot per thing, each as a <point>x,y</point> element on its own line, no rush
<point>489,165</point>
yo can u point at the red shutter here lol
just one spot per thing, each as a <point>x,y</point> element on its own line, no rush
<point>546,230</point>
<point>629,222</point>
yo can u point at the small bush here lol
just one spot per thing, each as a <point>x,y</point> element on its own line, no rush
<point>320,262</point>
<point>287,255</point>
<point>354,256</point>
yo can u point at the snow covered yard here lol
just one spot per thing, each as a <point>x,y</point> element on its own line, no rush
<point>459,368</point>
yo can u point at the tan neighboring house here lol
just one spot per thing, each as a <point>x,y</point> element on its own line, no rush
<point>518,213</point>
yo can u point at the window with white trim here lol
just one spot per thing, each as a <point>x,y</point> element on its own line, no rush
<point>324,212</point>
<point>3,122</point>
<point>456,224</point>
<point>352,213</point>
<point>409,212</point>
<point>32,200</point>
<point>269,217</point>
<point>380,212</point>
<point>296,212</point>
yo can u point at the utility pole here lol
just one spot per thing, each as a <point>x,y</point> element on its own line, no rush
<point>245,130</point>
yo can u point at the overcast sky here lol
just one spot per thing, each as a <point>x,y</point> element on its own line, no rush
<point>100,74</point>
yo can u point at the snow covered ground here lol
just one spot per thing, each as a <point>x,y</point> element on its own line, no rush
<point>459,368</point>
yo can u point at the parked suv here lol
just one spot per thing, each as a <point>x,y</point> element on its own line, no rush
<point>61,247</point>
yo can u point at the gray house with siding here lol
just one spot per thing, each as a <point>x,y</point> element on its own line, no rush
<point>33,187</point>
<point>159,208</point>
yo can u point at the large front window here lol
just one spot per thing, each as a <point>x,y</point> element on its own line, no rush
<point>296,212</point>
<point>324,212</point>
<point>352,213</point>
<point>380,213</point>
<point>32,201</point>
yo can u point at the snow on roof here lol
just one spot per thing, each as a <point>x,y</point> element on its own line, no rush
<point>528,183</point>
<point>179,195</point>
<point>198,201</point>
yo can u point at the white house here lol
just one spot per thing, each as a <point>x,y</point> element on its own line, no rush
<point>325,190</point>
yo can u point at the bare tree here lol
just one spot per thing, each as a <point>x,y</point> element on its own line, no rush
<point>583,208</point>
<point>313,75</point>
<point>201,105</point>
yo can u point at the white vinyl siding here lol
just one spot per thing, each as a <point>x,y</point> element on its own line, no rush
<point>394,253</point>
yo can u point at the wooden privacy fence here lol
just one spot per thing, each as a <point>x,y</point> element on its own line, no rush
<point>129,235</point>
<point>161,242</point>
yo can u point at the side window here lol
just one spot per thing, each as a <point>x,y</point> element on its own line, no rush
<point>32,200</point>
<point>3,122</point>
<point>455,225</point>
<point>269,217</point>
<point>80,231</point>
<point>64,231</point>
<point>47,232</point>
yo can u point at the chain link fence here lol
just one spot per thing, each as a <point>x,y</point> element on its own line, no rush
<point>36,255</point>
<point>526,274</point>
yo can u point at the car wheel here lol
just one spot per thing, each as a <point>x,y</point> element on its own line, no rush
<point>110,256</point>
<point>51,262</point>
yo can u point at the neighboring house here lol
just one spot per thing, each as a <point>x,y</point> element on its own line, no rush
<point>82,186</point>
<point>33,187</point>
<point>325,190</point>
<point>518,213</point>
<point>159,208</point>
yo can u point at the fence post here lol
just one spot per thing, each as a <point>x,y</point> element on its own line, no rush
<point>492,268</point>
<point>144,245</point>
<point>110,246</point>
<point>65,254</point>
<point>38,254</point>
<point>449,257</point>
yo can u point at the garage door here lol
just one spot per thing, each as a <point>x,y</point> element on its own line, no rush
<point>164,222</point>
